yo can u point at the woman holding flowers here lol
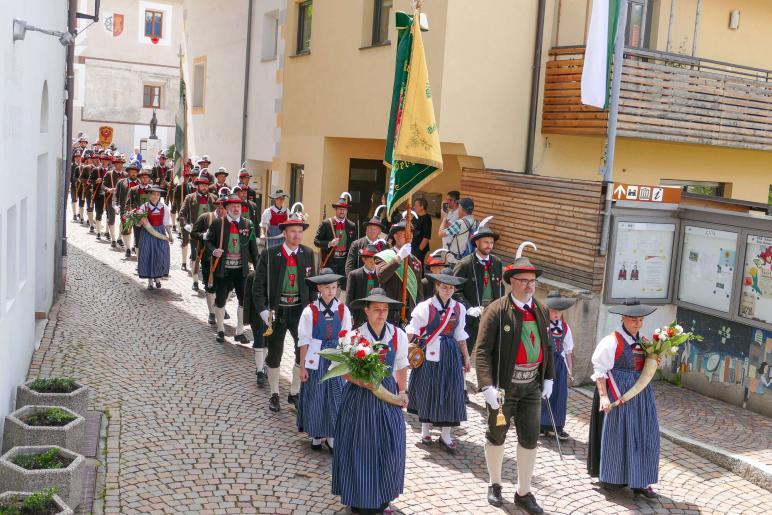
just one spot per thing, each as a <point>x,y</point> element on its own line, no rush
<point>368,465</point>
<point>155,239</point>
<point>437,386</point>
<point>624,441</point>
<point>320,323</point>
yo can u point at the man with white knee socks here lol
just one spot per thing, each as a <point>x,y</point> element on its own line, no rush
<point>515,367</point>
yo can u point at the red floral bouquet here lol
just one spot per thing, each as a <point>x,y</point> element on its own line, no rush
<point>131,218</point>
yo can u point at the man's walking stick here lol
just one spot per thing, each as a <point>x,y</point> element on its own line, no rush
<point>554,427</point>
<point>217,258</point>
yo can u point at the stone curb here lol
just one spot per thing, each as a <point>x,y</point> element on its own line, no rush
<point>751,470</point>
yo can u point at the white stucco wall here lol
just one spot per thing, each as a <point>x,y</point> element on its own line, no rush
<point>31,147</point>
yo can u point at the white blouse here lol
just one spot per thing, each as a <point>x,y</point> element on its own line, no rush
<point>148,208</point>
<point>419,318</point>
<point>400,358</point>
<point>306,330</point>
<point>568,339</point>
<point>265,219</point>
<point>605,351</point>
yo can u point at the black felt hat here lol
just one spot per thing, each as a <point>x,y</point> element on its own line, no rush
<point>376,295</point>
<point>447,277</point>
<point>632,308</point>
<point>555,301</point>
<point>326,276</point>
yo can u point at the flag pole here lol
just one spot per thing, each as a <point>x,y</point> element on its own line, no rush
<point>406,261</point>
<point>611,135</point>
<point>183,152</point>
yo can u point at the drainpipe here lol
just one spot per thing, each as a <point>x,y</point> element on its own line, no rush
<point>535,81</point>
<point>246,85</point>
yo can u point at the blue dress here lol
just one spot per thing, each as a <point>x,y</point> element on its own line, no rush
<point>318,402</point>
<point>559,398</point>
<point>436,392</point>
<point>368,465</point>
<point>154,253</point>
<point>629,450</point>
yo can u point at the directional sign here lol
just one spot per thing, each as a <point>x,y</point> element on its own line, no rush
<point>643,193</point>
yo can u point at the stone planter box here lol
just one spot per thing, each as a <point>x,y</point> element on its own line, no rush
<point>68,481</point>
<point>63,508</point>
<point>76,401</point>
<point>17,433</point>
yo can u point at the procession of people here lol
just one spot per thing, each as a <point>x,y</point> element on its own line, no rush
<point>439,315</point>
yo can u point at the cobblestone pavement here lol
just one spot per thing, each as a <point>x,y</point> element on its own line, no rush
<point>190,432</point>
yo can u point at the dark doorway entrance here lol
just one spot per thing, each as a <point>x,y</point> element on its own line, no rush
<point>366,183</point>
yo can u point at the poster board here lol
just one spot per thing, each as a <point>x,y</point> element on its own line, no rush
<point>642,260</point>
<point>756,292</point>
<point>708,262</point>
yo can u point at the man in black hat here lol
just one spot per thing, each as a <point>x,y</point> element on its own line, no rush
<point>244,178</point>
<point>123,200</point>
<point>279,294</point>
<point>195,204</point>
<point>96,180</point>
<point>373,229</point>
<point>77,155</point>
<point>248,208</point>
<point>85,200</point>
<point>232,247</point>
<point>203,257</point>
<point>159,171</point>
<point>362,280</point>
<point>515,367</point>
<point>389,268</point>
<point>272,218</point>
<point>109,187</point>
<point>334,237</point>
<point>220,175</point>
<point>179,193</point>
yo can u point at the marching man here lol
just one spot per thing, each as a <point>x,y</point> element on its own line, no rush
<point>272,218</point>
<point>373,229</point>
<point>194,205</point>
<point>244,178</point>
<point>123,201</point>
<point>515,369</point>
<point>335,236</point>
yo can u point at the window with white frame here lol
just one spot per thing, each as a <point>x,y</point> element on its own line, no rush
<point>199,83</point>
<point>270,36</point>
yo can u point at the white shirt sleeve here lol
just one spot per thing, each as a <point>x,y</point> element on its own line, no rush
<point>265,220</point>
<point>347,321</point>
<point>400,358</point>
<point>305,327</point>
<point>419,318</point>
<point>603,357</point>
<point>568,342</point>
<point>167,215</point>
<point>460,333</point>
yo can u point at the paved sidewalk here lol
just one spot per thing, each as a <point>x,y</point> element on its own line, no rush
<point>190,432</point>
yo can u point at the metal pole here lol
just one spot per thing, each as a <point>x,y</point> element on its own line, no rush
<point>246,84</point>
<point>697,16</point>
<point>669,46</point>
<point>535,81</point>
<point>616,83</point>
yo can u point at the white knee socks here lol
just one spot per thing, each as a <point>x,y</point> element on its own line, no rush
<point>80,212</point>
<point>331,442</point>
<point>240,320</point>
<point>99,227</point>
<point>446,435</point>
<point>210,302</point>
<point>425,430</point>
<point>174,218</point>
<point>74,208</point>
<point>273,380</point>
<point>184,254</point>
<point>494,459</point>
<point>111,231</point>
<point>219,315</point>
<point>259,359</point>
<point>126,240</point>
<point>295,386</point>
<point>526,459</point>
<point>90,217</point>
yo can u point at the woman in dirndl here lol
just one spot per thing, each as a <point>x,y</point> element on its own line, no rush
<point>623,445</point>
<point>437,386</point>
<point>562,344</point>
<point>153,262</point>
<point>368,465</point>
<point>320,323</point>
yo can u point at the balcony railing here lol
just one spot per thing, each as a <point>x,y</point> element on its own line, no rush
<point>666,97</point>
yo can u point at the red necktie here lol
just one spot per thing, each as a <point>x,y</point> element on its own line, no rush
<point>486,265</point>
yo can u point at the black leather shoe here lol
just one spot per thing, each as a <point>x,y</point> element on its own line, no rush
<point>158,285</point>
<point>273,403</point>
<point>212,319</point>
<point>91,228</point>
<point>494,495</point>
<point>292,399</point>
<point>562,435</point>
<point>528,503</point>
<point>113,244</point>
<point>128,253</point>
<point>220,337</point>
<point>262,379</point>
<point>648,493</point>
<point>316,447</point>
<point>120,242</point>
<point>99,237</point>
<point>184,267</point>
<point>242,338</point>
<point>195,285</point>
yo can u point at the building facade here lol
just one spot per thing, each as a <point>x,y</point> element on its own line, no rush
<point>32,147</point>
<point>127,68</point>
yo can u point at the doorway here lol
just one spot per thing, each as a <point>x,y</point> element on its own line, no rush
<point>366,183</point>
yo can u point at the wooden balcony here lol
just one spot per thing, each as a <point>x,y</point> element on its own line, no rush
<point>665,97</point>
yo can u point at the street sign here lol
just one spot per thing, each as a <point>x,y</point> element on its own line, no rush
<point>643,193</point>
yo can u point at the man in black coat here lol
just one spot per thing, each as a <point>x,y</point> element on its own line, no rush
<point>334,237</point>
<point>361,281</point>
<point>373,229</point>
<point>230,243</point>
<point>279,294</point>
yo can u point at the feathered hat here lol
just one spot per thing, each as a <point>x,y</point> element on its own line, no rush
<point>521,264</point>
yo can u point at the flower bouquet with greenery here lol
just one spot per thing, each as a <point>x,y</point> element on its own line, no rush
<point>664,342</point>
<point>361,361</point>
<point>131,218</point>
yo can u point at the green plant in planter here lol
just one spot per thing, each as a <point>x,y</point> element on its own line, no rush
<point>39,503</point>
<point>49,417</point>
<point>50,459</point>
<point>54,385</point>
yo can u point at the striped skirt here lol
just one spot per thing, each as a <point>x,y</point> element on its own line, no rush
<point>368,465</point>
<point>318,402</point>
<point>153,254</point>
<point>629,451</point>
<point>559,398</point>
<point>436,392</point>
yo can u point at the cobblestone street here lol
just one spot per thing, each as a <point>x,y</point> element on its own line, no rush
<point>189,431</point>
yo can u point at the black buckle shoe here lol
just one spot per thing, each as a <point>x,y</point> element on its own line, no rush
<point>212,319</point>
<point>562,435</point>
<point>262,379</point>
<point>158,285</point>
<point>292,399</point>
<point>91,228</point>
<point>113,244</point>
<point>316,447</point>
<point>242,338</point>
<point>273,402</point>
<point>220,337</point>
<point>128,253</point>
<point>184,267</point>
<point>195,285</point>
<point>120,242</point>
<point>528,503</point>
<point>99,237</point>
<point>494,495</point>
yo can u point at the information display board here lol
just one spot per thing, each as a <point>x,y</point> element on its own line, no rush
<point>643,257</point>
<point>708,261</point>
<point>756,294</point>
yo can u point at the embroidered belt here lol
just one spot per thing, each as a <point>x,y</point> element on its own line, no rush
<point>288,301</point>
<point>525,373</point>
<point>340,253</point>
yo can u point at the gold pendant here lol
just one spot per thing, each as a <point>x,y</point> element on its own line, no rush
<point>501,420</point>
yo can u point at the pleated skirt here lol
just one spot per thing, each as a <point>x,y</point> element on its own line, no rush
<point>318,402</point>
<point>629,450</point>
<point>368,465</point>
<point>153,254</point>
<point>559,398</point>
<point>436,391</point>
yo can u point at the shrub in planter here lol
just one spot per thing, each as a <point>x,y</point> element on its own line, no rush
<point>45,502</point>
<point>43,425</point>
<point>56,391</point>
<point>30,469</point>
